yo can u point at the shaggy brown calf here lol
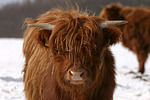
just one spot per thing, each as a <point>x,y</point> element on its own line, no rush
<point>67,57</point>
<point>136,34</point>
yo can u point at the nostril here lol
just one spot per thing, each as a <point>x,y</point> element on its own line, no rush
<point>71,73</point>
<point>76,74</point>
<point>81,74</point>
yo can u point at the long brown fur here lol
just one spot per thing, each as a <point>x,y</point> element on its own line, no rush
<point>77,40</point>
<point>136,34</point>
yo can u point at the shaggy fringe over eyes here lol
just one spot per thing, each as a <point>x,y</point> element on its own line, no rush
<point>72,31</point>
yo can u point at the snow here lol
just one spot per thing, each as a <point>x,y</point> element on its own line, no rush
<point>129,87</point>
<point>11,65</point>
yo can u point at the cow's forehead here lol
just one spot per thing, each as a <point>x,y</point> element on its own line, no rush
<point>73,35</point>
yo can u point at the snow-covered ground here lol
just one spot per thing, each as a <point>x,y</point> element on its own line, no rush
<point>128,86</point>
<point>11,65</point>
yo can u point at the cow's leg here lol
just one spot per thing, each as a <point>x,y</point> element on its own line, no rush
<point>142,59</point>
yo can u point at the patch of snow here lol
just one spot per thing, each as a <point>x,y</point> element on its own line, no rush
<point>129,87</point>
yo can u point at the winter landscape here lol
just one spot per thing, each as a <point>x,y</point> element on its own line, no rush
<point>130,86</point>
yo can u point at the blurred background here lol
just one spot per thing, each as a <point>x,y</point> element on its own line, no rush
<point>14,12</point>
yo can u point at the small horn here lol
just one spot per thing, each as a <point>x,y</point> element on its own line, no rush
<point>106,24</point>
<point>45,26</point>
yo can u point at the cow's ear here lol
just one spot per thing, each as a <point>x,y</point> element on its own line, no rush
<point>44,37</point>
<point>111,35</point>
<point>42,33</point>
<point>44,30</point>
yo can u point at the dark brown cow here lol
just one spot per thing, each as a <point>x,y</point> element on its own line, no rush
<point>68,57</point>
<point>136,34</point>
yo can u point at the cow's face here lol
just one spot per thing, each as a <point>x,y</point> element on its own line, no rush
<point>112,12</point>
<point>77,51</point>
